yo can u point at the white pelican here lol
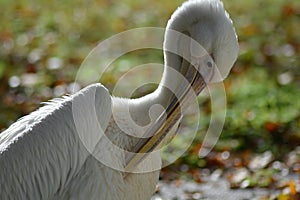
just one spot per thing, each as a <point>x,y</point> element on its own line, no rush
<point>42,156</point>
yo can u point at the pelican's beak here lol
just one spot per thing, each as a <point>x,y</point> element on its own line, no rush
<point>158,131</point>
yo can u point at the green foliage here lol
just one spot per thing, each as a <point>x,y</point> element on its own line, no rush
<point>263,90</point>
<point>260,110</point>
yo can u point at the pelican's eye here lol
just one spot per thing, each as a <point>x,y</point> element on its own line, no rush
<point>209,64</point>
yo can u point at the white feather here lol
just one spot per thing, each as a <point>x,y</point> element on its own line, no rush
<point>51,153</point>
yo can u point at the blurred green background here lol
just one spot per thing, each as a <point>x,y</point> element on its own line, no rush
<point>43,43</point>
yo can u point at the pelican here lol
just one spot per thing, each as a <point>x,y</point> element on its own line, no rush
<point>53,153</point>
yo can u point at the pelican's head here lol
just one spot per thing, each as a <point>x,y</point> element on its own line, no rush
<point>199,38</point>
<point>208,25</point>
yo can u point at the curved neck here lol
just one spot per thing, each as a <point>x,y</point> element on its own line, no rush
<point>174,68</point>
<point>151,105</point>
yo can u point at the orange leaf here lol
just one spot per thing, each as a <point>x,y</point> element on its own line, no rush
<point>292,186</point>
<point>271,126</point>
<point>288,10</point>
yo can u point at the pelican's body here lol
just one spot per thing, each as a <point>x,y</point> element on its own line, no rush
<point>42,155</point>
<point>39,162</point>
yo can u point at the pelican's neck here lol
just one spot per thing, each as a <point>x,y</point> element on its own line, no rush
<point>132,117</point>
<point>145,109</point>
<point>142,109</point>
<point>139,114</point>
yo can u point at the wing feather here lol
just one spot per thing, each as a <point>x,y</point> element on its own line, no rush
<point>43,151</point>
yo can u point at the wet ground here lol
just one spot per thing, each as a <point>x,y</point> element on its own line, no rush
<point>212,190</point>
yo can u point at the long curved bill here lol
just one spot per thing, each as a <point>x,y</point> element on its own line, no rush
<point>159,130</point>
